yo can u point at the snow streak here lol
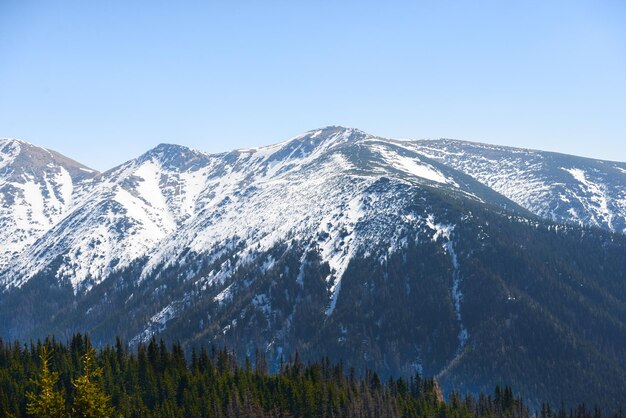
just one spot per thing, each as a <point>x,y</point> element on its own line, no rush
<point>444,232</point>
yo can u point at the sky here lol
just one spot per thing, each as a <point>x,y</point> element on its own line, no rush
<point>104,81</point>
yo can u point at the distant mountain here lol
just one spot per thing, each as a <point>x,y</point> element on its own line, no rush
<point>560,187</point>
<point>173,195</point>
<point>37,188</point>
<point>120,217</point>
<point>401,256</point>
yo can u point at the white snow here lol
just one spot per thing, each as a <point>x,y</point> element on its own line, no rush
<point>338,248</point>
<point>117,220</point>
<point>302,188</point>
<point>34,196</point>
<point>150,191</point>
<point>594,198</point>
<point>444,232</point>
<point>420,170</point>
<point>143,209</point>
<point>441,230</point>
<point>224,295</point>
<point>139,211</point>
<point>10,150</point>
<point>410,165</point>
<point>577,173</point>
<point>155,324</point>
<point>532,180</point>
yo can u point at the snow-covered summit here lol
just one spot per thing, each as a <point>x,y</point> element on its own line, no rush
<point>119,217</point>
<point>18,157</point>
<point>37,188</point>
<point>172,200</point>
<point>9,150</point>
<point>560,187</point>
<point>175,156</point>
<point>305,145</point>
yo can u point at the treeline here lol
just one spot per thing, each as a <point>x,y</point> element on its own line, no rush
<point>52,379</point>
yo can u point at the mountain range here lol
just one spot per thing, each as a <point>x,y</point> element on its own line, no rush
<point>475,263</point>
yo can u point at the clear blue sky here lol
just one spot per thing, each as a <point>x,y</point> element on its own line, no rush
<point>103,81</point>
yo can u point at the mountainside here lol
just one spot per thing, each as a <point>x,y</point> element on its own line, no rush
<point>122,216</point>
<point>37,187</point>
<point>172,196</point>
<point>380,253</point>
<point>560,187</point>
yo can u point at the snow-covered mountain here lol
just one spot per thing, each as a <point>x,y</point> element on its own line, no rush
<point>37,188</point>
<point>315,185</point>
<point>120,217</point>
<point>172,200</point>
<point>59,215</point>
<point>560,187</point>
<point>399,255</point>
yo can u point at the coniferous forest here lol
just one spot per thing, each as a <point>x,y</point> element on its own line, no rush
<point>53,379</point>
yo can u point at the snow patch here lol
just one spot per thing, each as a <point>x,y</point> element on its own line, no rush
<point>595,199</point>
<point>225,294</point>
<point>421,170</point>
<point>412,165</point>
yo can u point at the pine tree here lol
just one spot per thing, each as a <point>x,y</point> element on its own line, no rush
<point>89,399</point>
<point>49,402</point>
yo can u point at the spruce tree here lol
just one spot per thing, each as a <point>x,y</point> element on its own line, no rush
<point>48,402</point>
<point>89,399</point>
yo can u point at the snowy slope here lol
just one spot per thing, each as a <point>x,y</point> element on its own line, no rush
<point>315,187</point>
<point>343,193</point>
<point>174,201</point>
<point>119,218</point>
<point>559,187</point>
<point>37,188</point>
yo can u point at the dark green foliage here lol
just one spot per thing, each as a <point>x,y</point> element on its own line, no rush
<point>156,381</point>
<point>89,399</point>
<point>48,401</point>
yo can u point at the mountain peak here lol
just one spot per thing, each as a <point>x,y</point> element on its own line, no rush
<point>9,141</point>
<point>169,146</point>
<point>165,147</point>
<point>173,155</point>
<point>14,147</point>
<point>335,131</point>
<point>316,141</point>
<point>9,151</point>
<point>307,144</point>
<point>20,155</point>
<point>18,145</point>
<point>327,137</point>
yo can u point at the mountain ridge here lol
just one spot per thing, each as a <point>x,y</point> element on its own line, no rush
<point>556,186</point>
<point>132,186</point>
<point>375,251</point>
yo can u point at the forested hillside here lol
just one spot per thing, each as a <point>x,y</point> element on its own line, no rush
<point>52,379</point>
<point>334,244</point>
